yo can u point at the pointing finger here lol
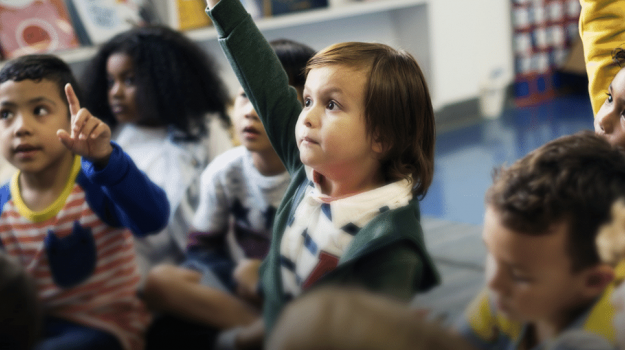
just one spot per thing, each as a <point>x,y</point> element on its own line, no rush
<point>72,100</point>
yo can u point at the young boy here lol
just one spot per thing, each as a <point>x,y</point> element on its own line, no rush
<point>360,153</point>
<point>240,191</point>
<point>602,29</point>
<point>546,283</point>
<point>68,213</point>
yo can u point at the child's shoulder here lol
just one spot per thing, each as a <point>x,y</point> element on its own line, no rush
<point>231,162</point>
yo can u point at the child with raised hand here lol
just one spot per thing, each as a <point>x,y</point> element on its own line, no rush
<point>360,153</point>
<point>159,92</point>
<point>602,29</point>
<point>240,191</point>
<point>70,212</point>
<point>546,285</point>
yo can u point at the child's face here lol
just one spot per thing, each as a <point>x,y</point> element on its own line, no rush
<point>610,120</point>
<point>121,88</point>
<point>530,277</point>
<point>30,115</point>
<point>331,134</point>
<point>249,128</point>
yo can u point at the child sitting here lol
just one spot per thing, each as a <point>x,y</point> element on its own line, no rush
<point>546,283</point>
<point>157,90</point>
<point>243,186</point>
<point>602,29</point>
<point>360,155</point>
<point>68,213</point>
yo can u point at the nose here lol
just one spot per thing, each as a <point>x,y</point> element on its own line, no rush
<point>605,122</point>
<point>310,118</point>
<point>250,112</point>
<point>22,126</point>
<point>116,89</point>
<point>496,279</point>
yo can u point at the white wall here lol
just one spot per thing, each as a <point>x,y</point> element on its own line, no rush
<point>468,39</point>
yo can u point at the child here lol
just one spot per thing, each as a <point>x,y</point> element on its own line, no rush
<point>602,29</point>
<point>155,88</point>
<point>67,219</point>
<point>360,155</point>
<point>546,283</point>
<point>20,311</point>
<point>243,186</point>
<point>611,244</point>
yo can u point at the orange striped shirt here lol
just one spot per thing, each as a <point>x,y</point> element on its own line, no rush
<point>107,299</point>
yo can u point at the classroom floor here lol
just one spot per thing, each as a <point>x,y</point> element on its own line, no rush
<point>454,206</point>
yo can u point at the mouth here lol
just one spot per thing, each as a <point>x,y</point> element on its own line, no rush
<point>307,140</point>
<point>118,109</point>
<point>250,132</point>
<point>25,150</point>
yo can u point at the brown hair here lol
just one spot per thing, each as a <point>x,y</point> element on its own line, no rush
<point>398,108</point>
<point>573,179</point>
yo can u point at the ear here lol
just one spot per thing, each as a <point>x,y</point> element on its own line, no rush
<point>596,279</point>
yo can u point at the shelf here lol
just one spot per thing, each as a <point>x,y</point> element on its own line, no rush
<point>296,19</point>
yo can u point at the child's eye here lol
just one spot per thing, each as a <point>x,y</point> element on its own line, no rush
<point>609,99</point>
<point>5,114</point>
<point>40,110</point>
<point>520,278</point>
<point>109,83</point>
<point>307,102</point>
<point>243,95</point>
<point>129,81</point>
<point>332,105</point>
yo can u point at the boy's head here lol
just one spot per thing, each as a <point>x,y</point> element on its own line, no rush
<point>610,120</point>
<point>384,93</point>
<point>20,311</point>
<point>250,131</point>
<point>33,107</point>
<point>543,214</point>
<point>38,68</point>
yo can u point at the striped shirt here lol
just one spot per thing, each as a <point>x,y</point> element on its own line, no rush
<point>84,269</point>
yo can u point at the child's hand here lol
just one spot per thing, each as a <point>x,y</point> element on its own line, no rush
<point>90,137</point>
<point>246,276</point>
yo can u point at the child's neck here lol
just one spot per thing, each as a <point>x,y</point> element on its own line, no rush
<point>268,163</point>
<point>339,185</point>
<point>39,190</point>
<point>542,331</point>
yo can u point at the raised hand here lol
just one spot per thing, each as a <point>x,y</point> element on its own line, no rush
<point>90,137</point>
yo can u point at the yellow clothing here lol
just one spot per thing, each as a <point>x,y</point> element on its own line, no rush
<point>602,29</point>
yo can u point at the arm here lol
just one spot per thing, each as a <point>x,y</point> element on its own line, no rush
<point>260,73</point>
<point>602,28</point>
<point>135,202</point>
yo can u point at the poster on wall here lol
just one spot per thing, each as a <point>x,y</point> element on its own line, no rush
<point>34,26</point>
<point>100,20</point>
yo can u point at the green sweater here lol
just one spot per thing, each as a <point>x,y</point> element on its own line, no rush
<point>387,255</point>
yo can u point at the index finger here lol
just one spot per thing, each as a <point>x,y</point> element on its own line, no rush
<point>72,100</point>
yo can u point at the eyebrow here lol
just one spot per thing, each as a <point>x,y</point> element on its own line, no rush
<point>30,102</point>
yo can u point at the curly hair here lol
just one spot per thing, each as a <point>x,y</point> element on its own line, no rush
<point>177,82</point>
<point>39,67</point>
<point>573,179</point>
<point>398,108</point>
<point>618,56</point>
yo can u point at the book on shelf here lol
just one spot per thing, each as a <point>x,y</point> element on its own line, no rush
<point>181,14</point>
<point>282,7</point>
<point>34,26</point>
<point>96,21</point>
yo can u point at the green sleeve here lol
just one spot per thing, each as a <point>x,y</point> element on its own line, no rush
<point>602,29</point>
<point>261,75</point>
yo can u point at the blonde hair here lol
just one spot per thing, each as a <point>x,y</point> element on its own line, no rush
<point>398,108</point>
<point>611,238</point>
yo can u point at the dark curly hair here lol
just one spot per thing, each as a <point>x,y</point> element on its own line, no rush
<point>177,82</point>
<point>618,56</point>
<point>573,179</point>
<point>40,67</point>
